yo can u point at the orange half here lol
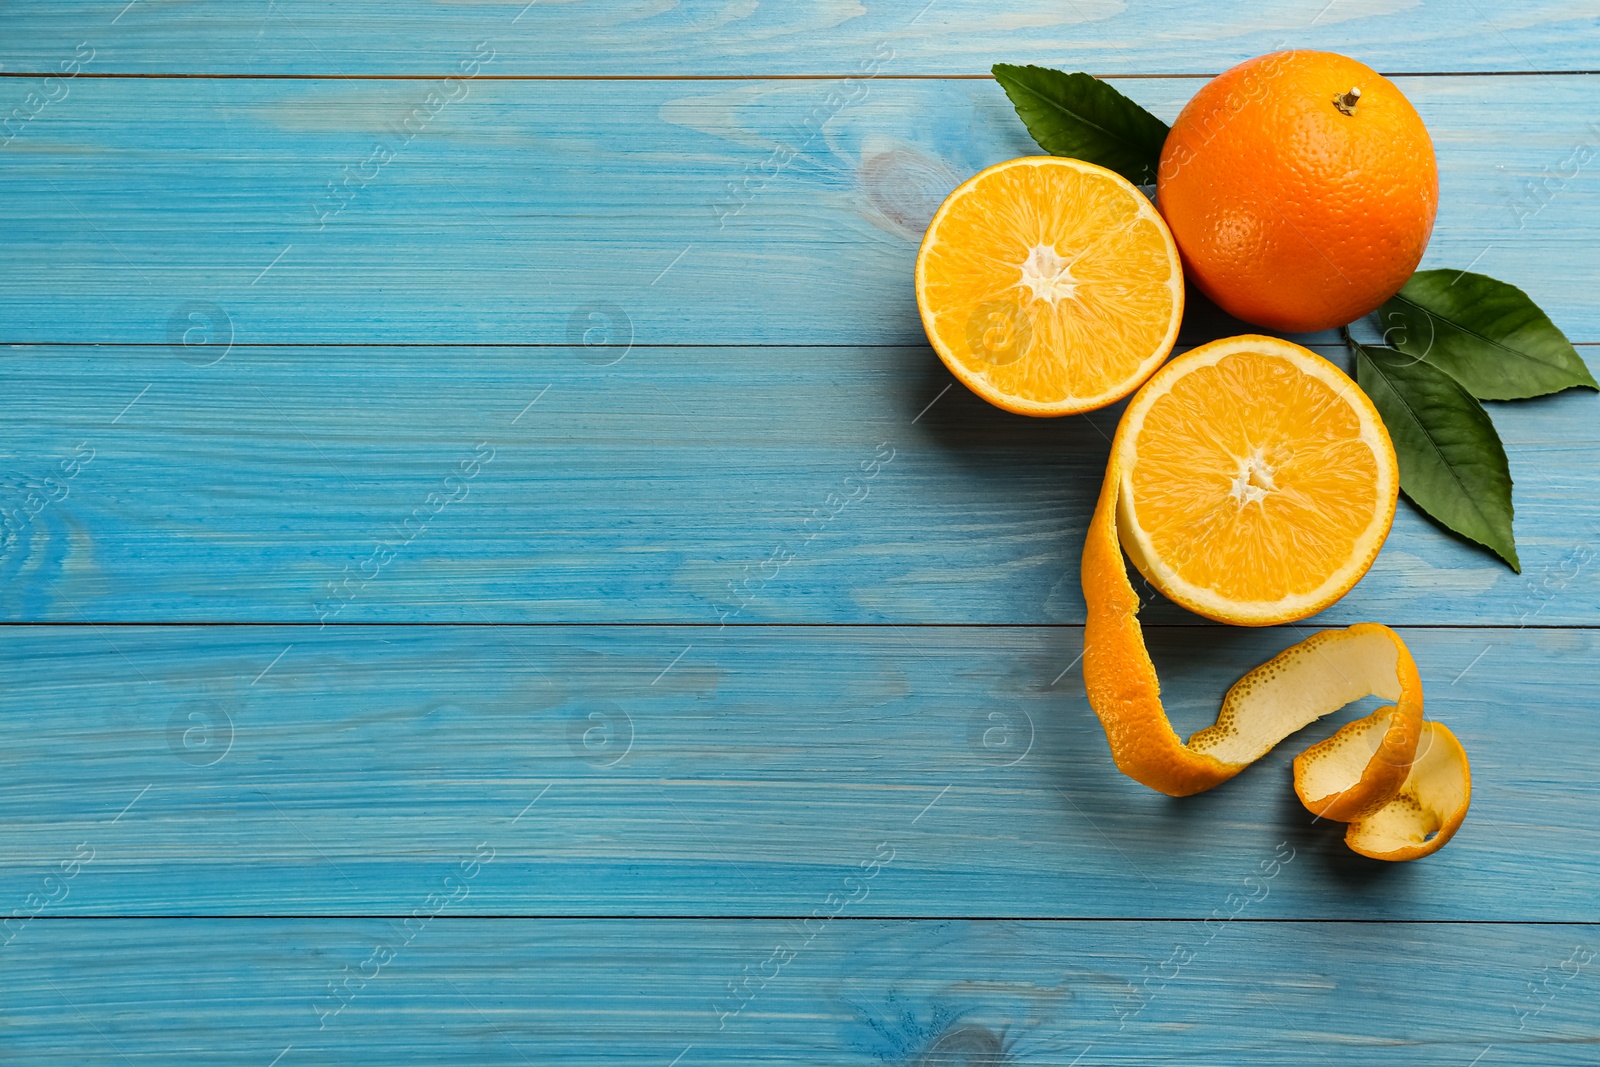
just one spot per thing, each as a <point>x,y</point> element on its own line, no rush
<point>1049,286</point>
<point>1257,481</point>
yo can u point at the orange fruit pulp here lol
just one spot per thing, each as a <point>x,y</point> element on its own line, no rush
<point>1049,286</point>
<point>1257,481</point>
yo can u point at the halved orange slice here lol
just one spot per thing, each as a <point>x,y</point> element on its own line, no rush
<point>1257,481</point>
<point>1049,286</point>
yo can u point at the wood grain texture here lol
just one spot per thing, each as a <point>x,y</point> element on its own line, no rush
<point>650,994</point>
<point>700,485</point>
<point>581,843</point>
<point>684,772</point>
<point>650,37</point>
<point>767,212</point>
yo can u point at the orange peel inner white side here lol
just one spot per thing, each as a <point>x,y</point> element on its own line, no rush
<point>1427,810</point>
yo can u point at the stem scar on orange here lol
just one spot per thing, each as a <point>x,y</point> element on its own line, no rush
<point>1049,286</point>
<point>1301,188</point>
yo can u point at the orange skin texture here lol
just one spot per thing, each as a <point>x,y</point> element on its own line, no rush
<point>1287,212</point>
<point>1120,678</point>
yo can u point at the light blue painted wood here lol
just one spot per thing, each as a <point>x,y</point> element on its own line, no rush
<point>352,772</point>
<point>790,36</point>
<point>682,771</point>
<point>771,212</point>
<point>651,993</point>
<point>695,485</point>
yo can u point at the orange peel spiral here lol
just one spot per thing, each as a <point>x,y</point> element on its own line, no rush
<point>1402,783</point>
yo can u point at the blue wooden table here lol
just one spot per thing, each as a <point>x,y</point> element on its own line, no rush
<point>434,634</point>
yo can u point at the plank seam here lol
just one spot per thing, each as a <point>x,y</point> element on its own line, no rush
<point>566,917</point>
<point>657,625</point>
<point>242,76</point>
<point>521,345</point>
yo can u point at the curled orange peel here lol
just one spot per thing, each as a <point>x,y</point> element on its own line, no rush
<point>1399,805</point>
<point>1433,801</point>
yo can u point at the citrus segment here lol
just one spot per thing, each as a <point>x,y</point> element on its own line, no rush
<point>1258,481</point>
<point>1428,809</point>
<point>1049,286</point>
<point>1366,769</point>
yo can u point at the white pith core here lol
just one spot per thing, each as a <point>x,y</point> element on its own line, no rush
<point>1047,275</point>
<point>1254,480</point>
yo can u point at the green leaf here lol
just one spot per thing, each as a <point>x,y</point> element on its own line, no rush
<point>1488,335</point>
<point>1452,464</point>
<point>1079,115</point>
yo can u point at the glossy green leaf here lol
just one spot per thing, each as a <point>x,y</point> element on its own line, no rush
<point>1452,464</point>
<point>1080,116</point>
<point>1487,334</point>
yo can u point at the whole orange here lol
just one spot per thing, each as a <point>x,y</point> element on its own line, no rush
<point>1301,188</point>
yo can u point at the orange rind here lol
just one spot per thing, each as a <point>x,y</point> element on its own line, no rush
<point>1301,187</point>
<point>1428,809</point>
<point>1400,805</point>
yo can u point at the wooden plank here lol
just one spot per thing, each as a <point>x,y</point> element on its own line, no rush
<point>767,212</point>
<point>641,992</point>
<point>676,485</point>
<point>682,771</point>
<point>709,37</point>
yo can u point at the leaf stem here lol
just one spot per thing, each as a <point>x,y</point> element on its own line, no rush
<point>1349,342</point>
